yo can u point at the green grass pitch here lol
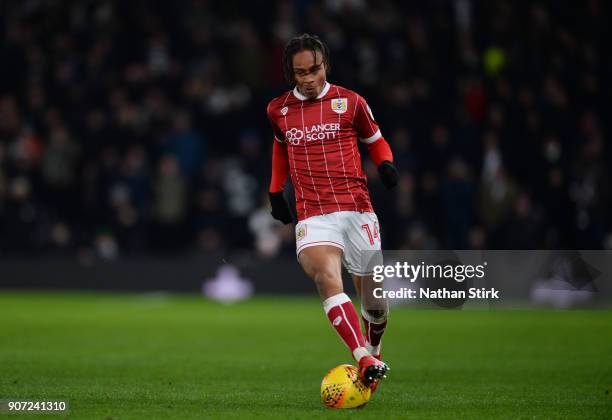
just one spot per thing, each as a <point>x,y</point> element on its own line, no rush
<point>179,356</point>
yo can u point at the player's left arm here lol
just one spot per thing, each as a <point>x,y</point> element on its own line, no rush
<point>378,148</point>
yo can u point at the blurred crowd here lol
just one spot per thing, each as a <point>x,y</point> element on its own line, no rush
<point>139,127</point>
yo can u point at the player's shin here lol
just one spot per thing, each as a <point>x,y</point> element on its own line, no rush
<point>374,313</point>
<point>375,323</point>
<point>343,317</point>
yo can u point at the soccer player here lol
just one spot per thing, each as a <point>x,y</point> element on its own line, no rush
<point>316,128</point>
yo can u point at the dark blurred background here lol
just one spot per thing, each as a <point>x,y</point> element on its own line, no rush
<point>138,128</point>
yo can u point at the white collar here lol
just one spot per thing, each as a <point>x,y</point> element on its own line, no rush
<point>301,97</point>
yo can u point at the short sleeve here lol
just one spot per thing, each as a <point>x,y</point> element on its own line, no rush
<point>364,122</point>
<point>278,133</point>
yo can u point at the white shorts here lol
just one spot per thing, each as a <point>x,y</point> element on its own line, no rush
<point>356,234</point>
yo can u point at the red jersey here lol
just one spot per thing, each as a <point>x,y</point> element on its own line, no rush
<point>321,139</point>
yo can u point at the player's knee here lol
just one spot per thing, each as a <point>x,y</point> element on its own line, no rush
<point>324,278</point>
<point>328,284</point>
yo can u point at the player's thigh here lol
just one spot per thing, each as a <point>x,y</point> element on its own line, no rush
<point>323,264</point>
<point>320,259</point>
<point>319,248</point>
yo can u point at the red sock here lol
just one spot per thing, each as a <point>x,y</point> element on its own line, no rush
<point>374,332</point>
<point>374,329</point>
<point>343,317</point>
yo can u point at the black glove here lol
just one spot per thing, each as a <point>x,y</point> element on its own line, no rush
<point>388,174</point>
<point>280,208</point>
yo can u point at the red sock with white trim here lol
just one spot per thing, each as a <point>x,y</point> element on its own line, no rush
<point>343,317</point>
<point>374,330</point>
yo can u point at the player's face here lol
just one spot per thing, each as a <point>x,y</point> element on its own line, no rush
<point>310,73</point>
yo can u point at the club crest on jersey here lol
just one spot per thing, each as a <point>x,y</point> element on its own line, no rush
<point>339,105</point>
<point>284,110</point>
<point>300,233</point>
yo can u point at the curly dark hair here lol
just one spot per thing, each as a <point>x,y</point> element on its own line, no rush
<point>303,42</point>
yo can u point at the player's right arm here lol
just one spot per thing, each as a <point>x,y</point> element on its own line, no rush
<point>280,172</point>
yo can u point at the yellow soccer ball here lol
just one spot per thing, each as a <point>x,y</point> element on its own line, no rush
<point>342,388</point>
